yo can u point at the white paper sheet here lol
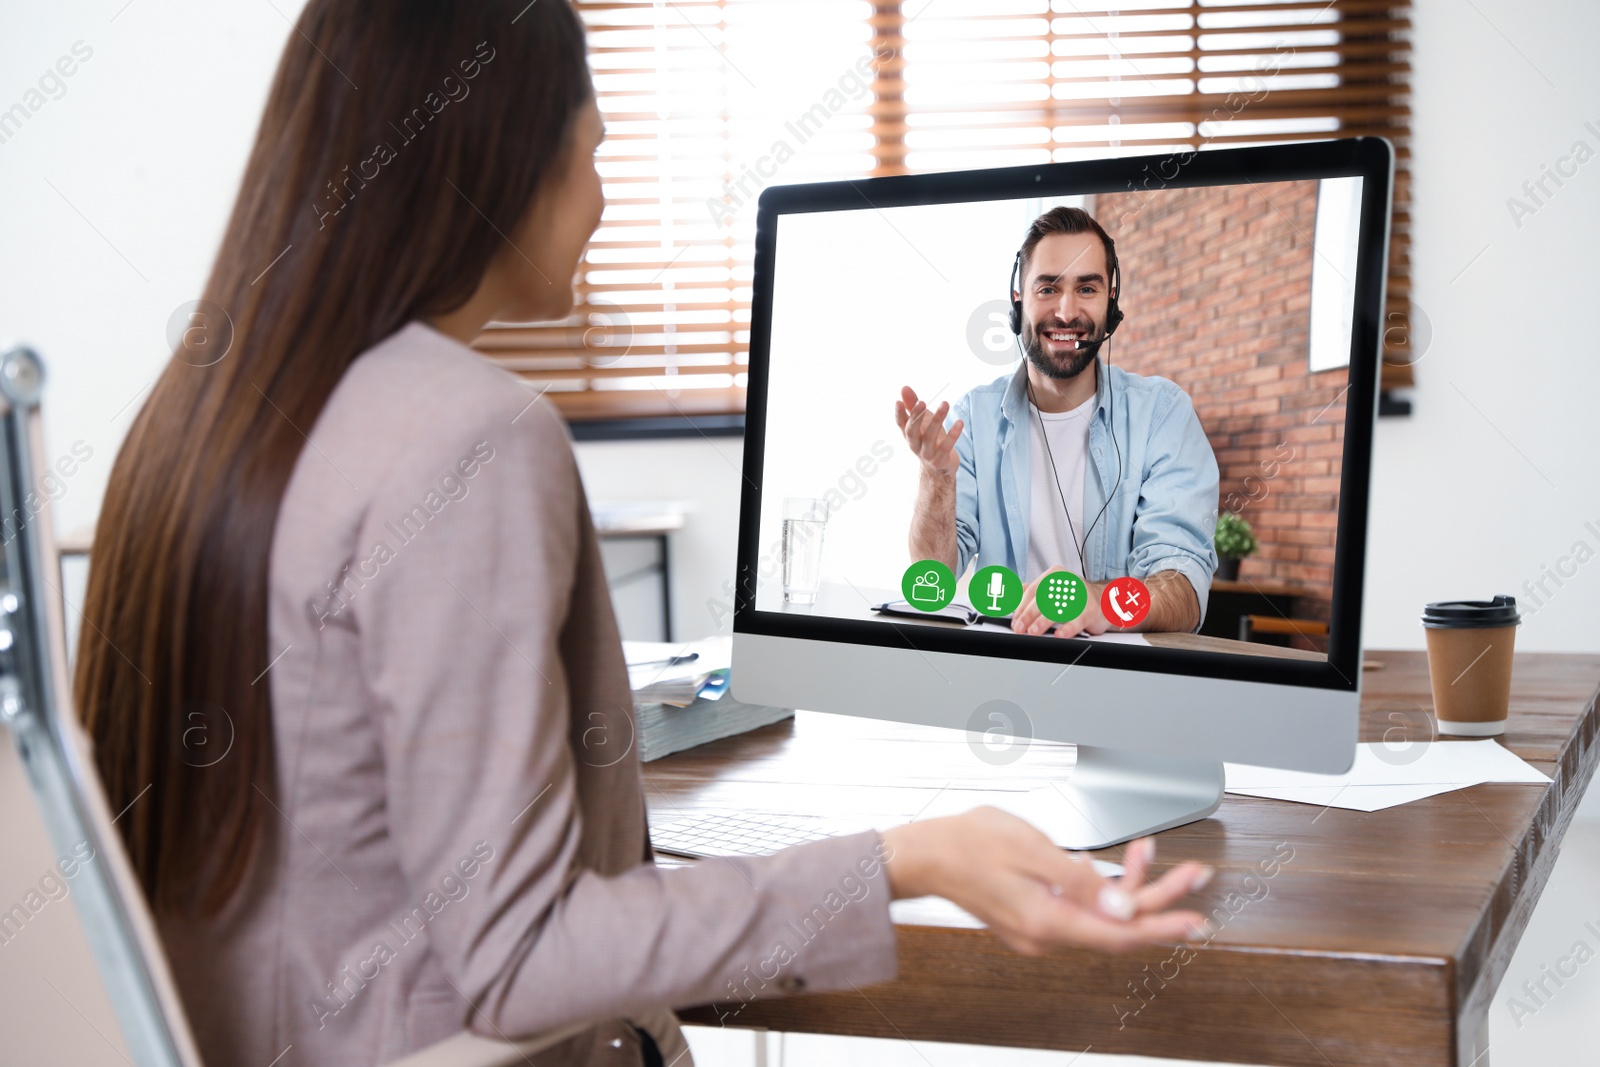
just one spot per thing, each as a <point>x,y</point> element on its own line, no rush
<point>1384,776</point>
<point>715,653</point>
<point>1118,637</point>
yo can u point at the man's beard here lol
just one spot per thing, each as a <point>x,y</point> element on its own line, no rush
<point>1077,360</point>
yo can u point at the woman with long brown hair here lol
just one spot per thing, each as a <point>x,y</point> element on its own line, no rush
<point>349,660</point>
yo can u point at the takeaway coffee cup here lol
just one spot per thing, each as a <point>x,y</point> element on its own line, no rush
<point>1469,663</point>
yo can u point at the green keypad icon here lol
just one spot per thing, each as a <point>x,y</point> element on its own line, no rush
<point>1062,596</point>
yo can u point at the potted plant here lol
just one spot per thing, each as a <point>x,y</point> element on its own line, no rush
<point>1235,540</point>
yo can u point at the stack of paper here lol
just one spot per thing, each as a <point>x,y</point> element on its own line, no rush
<point>664,729</point>
<point>667,672</point>
<point>682,704</point>
<point>1384,776</point>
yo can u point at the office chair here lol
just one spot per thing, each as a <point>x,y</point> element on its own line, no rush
<point>135,988</point>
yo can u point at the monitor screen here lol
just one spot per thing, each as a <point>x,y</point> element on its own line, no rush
<point>1102,415</point>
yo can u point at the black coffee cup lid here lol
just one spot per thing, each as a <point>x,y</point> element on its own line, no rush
<point>1471,614</point>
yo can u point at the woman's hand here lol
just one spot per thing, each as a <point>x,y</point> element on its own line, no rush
<point>1035,896</point>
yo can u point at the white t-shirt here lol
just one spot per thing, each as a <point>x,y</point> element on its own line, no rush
<point>1050,540</point>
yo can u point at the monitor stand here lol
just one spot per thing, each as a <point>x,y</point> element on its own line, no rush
<point>1116,795</point>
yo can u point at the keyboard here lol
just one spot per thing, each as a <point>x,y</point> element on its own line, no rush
<point>735,834</point>
<point>747,833</point>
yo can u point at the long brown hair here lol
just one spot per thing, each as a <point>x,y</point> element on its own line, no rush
<point>400,141</point>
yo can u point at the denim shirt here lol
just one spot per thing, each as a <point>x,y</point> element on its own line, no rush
<point>1164,513</point>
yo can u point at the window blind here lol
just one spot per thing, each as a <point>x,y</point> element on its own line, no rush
<point>706,102</point>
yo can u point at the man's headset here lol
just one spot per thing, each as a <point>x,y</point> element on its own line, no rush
<point>1114,318</point>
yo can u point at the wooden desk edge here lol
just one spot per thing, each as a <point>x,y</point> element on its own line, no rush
<point>1525,877</point>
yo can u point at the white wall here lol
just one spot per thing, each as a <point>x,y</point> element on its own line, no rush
<point>936,267</point>
<point>1490,480</point>
<point>1494,476</point>
<point>144,151</point>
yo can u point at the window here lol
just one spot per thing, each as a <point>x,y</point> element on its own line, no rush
<point>707,102</point>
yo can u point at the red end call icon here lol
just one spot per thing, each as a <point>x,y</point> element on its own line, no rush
<point>1125,602</point>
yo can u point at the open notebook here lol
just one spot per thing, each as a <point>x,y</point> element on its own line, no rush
<point>967,616</point>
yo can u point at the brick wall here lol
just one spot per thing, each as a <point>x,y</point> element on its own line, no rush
<point>1217,292</point>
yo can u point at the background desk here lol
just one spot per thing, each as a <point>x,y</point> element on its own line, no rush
<point>651,521</point>
<point>1380,941</point>
<point>1231,598</point>
<point>615,523</point>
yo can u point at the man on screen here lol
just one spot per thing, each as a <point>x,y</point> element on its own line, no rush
<point>1068,463</point>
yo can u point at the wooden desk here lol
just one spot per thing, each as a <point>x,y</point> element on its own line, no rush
<point>1262,586</point>
<point>1379,940</point>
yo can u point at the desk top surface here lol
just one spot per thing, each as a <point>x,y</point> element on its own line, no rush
<point>1381,935</point>
<point>847,600</point>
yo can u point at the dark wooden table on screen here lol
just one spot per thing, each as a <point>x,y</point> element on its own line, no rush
<point>1380,940</point>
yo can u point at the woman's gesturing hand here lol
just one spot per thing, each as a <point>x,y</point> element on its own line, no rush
<point>1035,896</point>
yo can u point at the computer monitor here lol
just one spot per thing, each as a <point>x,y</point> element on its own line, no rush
<point>1240,383</point>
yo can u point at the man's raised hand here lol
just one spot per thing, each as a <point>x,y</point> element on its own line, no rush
<point>924,431</point>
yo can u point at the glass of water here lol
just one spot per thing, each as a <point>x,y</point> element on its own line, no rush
<point>804,521</point>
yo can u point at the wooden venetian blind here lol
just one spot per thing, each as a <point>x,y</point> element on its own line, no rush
<point>708,102</point>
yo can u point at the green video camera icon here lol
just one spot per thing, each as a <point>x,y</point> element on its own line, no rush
<point>927,585</point>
